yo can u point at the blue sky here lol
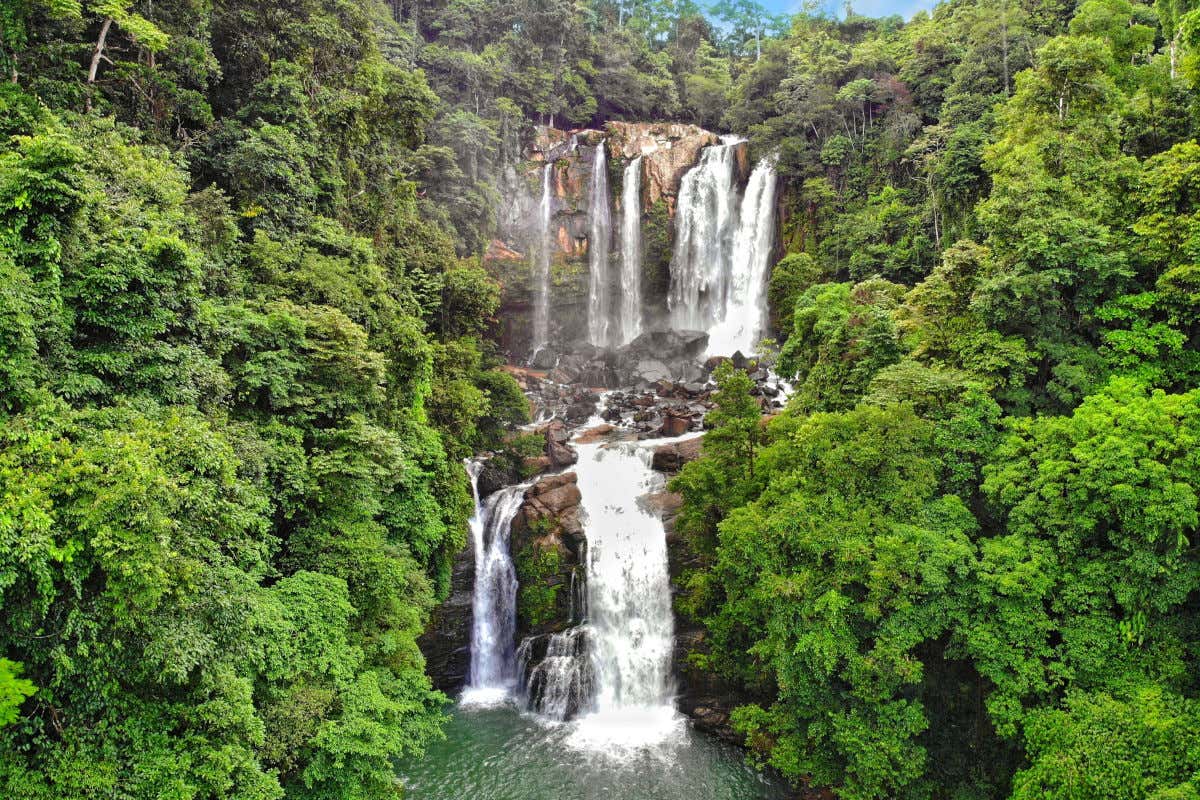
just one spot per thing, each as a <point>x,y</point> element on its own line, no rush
<point>868,8</point>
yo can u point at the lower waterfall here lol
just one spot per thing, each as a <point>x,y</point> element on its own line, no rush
<point>494,603</point>
<point>629,600</point>
<point>612,674</point>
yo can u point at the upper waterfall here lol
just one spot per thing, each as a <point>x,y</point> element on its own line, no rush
<point>745,313</point>
<point>599,236</point>
<point>631,252</point>
<point>541,267</point>
<point>704,227</point>
<point>722,250</point>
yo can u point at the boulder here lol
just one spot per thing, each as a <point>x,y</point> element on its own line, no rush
<point>666,345</point>
<point>545,358</point>
<point>493,479</point>
<point>672,456</point>
<point>651,369</point>
<point>674,425</point>
<point>714,361</point>
<point>580,410</point>
<point>560,455</point>
<point>536,465</point>
<point>550,514</point>
<point>594,434</point>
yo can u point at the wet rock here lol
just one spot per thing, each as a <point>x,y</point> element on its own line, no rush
<point>580,410</point>
<point>672,456</point>
<point>666,345</point>
<point>651,369</point>
<point>675,425</point>
<point>493,479</point>
<point>446,643</point>
<point>557,431</point>
<point>536,465</point>
<point>560,455</point>
<point>714,361</point>
<point>594,434</point>
<point>663,503</point>
<point>545,358</point>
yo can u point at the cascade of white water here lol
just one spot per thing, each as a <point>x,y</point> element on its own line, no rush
<point>722,250</point>
<point>705,220</point>
<point>494,603</point>
<point>560,686</point>
<point>629,634</point>
<point>631,252</point>
<point>599,237</point>
<point>628,590</point>
<point>743,320</point>
<point>541,268</point>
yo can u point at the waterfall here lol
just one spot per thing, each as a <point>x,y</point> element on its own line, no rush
<point>560,686</point>
<point>628,589</point>
<point>745,312</point>
<point>722,250</point>
<point>613,672</point>
<point>541,268</point>
<point>631,252</point>
<point>704,227</point>
<point>600,235</point>
<point>494,604</point>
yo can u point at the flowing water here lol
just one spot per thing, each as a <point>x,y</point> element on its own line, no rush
<point>722,250</point>
<point>601,721</point>
<point>704,225</point>
<point>541,267</point>
<point>631,252</point>
<point>494,604</point>
<point>629,599</point>
<point>599,237</point>
<point>744,318</point>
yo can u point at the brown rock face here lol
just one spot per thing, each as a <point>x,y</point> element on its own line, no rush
<point>550,515</point>
<point>668,150</point>
<point>671,457</point>
<point>674,425</point>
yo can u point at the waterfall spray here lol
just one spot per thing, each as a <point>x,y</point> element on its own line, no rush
<point>705,220</point>
<point>722,250</point>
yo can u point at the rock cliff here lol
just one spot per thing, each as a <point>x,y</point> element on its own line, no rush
<point>668,151</point>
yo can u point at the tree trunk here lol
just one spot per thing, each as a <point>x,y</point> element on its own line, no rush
<point>1004,45</point>
<point>94,67</point>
